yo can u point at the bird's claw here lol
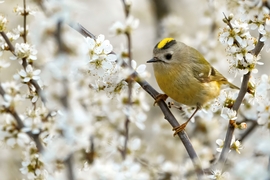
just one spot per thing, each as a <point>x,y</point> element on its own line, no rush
<point>180,128</point>
<point>160,97</point>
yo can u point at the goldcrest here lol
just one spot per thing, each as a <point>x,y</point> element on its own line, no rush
<point>184,75</point>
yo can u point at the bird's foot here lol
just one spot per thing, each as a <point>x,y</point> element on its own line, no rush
<point>180,128</point>
<point>160,97</point>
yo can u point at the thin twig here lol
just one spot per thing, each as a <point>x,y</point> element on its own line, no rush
<point>69,167</point>
<point>163,106</point>
<point>64,98</point>
<point>20,124</point>
<point>39,90</point>
<point>230,130</point>
<point>58,36</point>
<point>248,131</point>
<point>161,10</point>
<point>90,156</point>
<point>10,46</point>
<point>268,167</point>
<point>33,82</point>
<point>126,8</point>
<point>24,21</point>
<point>130,84</point>
<point>24,61</point>
<point>238,101</point>
<point>124,150</point>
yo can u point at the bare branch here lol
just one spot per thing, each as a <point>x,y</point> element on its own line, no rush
<point>69,166</point>
<point>24,21</point>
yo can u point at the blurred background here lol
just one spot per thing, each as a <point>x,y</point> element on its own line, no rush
<point>196,23</point>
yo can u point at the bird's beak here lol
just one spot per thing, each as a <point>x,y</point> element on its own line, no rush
<point>153,60</point>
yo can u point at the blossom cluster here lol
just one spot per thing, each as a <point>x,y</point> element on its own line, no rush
<point>239,43</point>
<point>125,28</point>
<point>108,76</point>
<point>21,11</point>
<point>3,23</point>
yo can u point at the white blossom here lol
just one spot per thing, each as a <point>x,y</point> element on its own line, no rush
<point>219,175</point>
<point>239,43</point>
<point>21,11</point>
<point>32,164</point>
<point>120,28</point>
<point>33,121</point>
<point>220,144</point>
<point>19,30</point>
<point>4,64</point>
<point>11,134</point>
<point>3,23</point>
<point>265,31</point>
<point>25,50</point>
<point>235,145</point>
<point>229,114</point>
<point>11,36</point>
<point>29,74</point>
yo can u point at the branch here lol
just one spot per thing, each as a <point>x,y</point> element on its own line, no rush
<point>164,108</point>
<point>161,10</point>
<point>126,8</point>
<point>11,47</point>
<point>33,82</point>
<point>69,165</point>
<point>20,124</point>
<point>24,21</point>
<point>39,90</point>
<point>251,128</point>
<point>129,81</point>
<point>239,99</point>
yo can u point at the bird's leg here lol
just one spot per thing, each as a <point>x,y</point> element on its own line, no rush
<point>180,128</point>
<point>160,97</point>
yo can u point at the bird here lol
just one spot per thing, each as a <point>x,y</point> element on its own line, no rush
<point>185,76</point>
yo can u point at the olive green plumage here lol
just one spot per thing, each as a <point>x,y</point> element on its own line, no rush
<point>184,75</point>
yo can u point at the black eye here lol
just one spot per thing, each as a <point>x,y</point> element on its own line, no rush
<point>168,56</point>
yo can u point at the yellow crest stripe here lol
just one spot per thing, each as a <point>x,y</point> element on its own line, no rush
<point>163,42</point>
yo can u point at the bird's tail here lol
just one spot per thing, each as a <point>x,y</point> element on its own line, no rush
<point>232,85</point>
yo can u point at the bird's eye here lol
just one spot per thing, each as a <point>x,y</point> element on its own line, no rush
<point>168,56</point>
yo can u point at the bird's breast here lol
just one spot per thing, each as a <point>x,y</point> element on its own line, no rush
<point>181,85</point>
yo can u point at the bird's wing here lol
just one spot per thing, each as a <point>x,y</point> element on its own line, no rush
<point>206,73</point>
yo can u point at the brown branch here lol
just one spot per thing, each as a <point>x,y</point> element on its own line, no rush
<point>33,82</point>
<point>164,108</point>
<point>161,10</point>
<point>238,101</point>
<point>24,61</point>
<point>39,90</point>
<point>11,47</point>
<point>231,127</point>
<point>24,21</point>
<point>20,124</point>
<point>174,123</point>
<point>69,166</point>
<point>124,150</point>
<point>130,83</point>
<point>126,8</point>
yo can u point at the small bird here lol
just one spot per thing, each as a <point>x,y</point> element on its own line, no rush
<point>184,75</point>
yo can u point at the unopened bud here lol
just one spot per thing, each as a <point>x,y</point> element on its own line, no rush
<point>230,17</point>
<point>242,126</point>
